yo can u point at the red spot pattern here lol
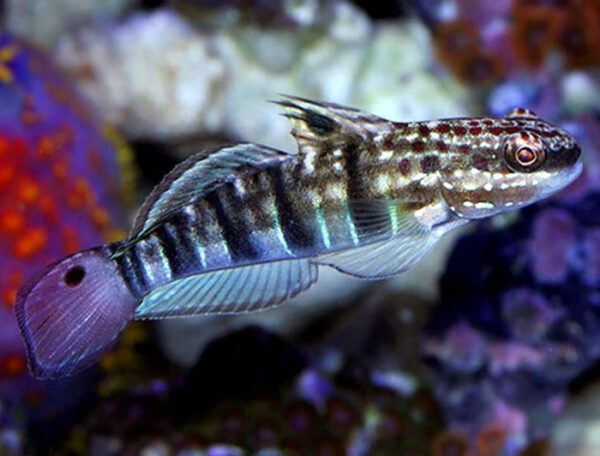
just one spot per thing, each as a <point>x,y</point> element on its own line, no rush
<point>480,162</point>
<point>405,167</point>
<point>460,131</point>
<point>443,128</point>
<point>389,142</point>
<point>418,146</point>
<point>442,146</point>
<point>464,149</point>
<point>430,164</point>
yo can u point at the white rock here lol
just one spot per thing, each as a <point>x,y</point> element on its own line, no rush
<point>43,22</point>
<point>350,24</point>
<point>580,92</point>
<point>397,81</point>
<point>577,431</point>
<point>303,12</point>
<point>152,75</point>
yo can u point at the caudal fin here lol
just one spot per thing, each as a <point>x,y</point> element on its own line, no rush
<point>72,312</point>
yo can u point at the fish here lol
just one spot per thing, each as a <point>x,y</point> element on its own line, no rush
<point>246,227</point>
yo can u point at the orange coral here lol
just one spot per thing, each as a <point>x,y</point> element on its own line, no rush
<point>480,68</point>
<point>539,448</point>
<point>451,443</point>
<point>535,31</point>
<point>490,441</point>
<point>458,46</point>
<point>579,40</point>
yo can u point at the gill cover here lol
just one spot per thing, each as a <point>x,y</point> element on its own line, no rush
<point>72,312</point>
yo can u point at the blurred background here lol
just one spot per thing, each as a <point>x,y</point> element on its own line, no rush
<point>490,347</point>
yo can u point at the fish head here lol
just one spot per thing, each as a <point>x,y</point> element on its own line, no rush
<point>71,312</point>
<point>510,163</point>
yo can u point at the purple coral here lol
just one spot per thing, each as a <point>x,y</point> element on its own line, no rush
<point>551,246</point>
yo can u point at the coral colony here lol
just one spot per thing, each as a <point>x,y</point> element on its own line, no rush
<point>64,185</point>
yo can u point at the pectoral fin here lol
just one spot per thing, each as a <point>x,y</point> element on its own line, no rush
<point>392,241</point>
<point>381,259</point>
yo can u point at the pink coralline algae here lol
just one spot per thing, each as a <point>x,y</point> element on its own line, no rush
<point>64,179</point>
<point>591,265</point>
<point>529,313</point>
<point>551,245</point>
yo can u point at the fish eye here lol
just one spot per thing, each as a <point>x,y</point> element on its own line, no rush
<point>524,152</point>
<point>74,276</point>
<point>525,156</point>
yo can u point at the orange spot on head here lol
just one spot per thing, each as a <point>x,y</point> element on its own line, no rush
<point>11,221</point>
<point>30,243</point>
<point>13,365</point>
<point>28,191</point>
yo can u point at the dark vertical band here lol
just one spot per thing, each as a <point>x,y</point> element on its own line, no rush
<point>233,227</point>
<point>297,235</point>
<point>131,269</point>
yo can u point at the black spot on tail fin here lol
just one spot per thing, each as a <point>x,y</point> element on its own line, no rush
<point>319,125</point>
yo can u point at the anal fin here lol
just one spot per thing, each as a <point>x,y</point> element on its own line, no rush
<point>230,291</point>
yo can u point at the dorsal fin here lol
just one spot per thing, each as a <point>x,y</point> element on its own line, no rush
<point>198,175</point>
<point>315,123</point>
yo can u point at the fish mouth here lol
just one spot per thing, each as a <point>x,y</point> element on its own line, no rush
<point>563,179</point>
<point>569,175</point>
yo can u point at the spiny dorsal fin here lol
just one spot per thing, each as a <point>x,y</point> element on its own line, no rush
<point>198,175</point>
<point>316,122</point>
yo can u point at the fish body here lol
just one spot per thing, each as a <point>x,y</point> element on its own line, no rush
<point>246,227</point>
